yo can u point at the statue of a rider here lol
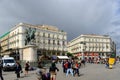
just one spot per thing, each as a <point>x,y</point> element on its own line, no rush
<point>30,35</point>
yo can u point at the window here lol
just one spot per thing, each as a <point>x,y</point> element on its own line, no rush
<point>44,41</point>
<point>37,41</point>
<point>63,42</point>
<point>96,40</point>
<point>53,41</point>
<point>107,46</point>
<point>9,61</point>
<point>53,36</point>
<point>18,30</point>
<point>43,34</point>
<point>58,43</point>
<point>48,41</point>
<point>48,35</point>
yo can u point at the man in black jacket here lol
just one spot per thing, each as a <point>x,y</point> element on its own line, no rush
<point>18,69</point>
<point>52,71</point>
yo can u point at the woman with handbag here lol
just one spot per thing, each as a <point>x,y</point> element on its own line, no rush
<point>27,65</point>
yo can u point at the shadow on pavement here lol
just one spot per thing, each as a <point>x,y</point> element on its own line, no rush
<point>81,75</point>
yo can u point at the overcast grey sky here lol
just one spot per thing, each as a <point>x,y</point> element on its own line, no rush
<point>73,16</point>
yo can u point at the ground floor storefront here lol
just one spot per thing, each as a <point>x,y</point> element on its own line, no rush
<point>31,53</point>
<point>88,55</point>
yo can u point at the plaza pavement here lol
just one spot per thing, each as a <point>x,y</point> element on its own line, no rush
<point>94,72</point>
<point>89,72</point>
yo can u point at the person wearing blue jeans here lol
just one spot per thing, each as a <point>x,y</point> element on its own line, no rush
<point>69,69</point>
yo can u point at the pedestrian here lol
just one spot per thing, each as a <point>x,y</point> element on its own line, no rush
<point>1,66</point>
<point>42,74</point>
<point>69,69</point>
<point>63,66</point>
<point>27,65</point>
<point>45,75</point>
<point>52,71</point>
<point>76,69</point>
<point>18,69</point>
<point>54,63</point>
<point>40,64</point>
<point>83,62</point>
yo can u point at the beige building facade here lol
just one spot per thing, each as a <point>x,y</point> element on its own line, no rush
<point>91,45</point>
<point>45,39</point>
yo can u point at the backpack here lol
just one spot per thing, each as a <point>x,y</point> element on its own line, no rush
<point>66,65</point>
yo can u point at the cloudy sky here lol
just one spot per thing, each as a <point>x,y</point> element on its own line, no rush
<point>73,16</point>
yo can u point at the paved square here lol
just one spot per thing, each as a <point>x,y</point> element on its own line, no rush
<point>89,72</point>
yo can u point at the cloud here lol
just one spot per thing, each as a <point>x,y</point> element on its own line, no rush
<point>73,16</point>
<point>114,30</point>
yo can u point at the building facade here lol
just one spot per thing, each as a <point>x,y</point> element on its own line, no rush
<point>88,46</point>
<point>47,40</point>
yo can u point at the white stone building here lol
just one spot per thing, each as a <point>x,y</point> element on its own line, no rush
<point>28,42</point>
<point>86,46</point>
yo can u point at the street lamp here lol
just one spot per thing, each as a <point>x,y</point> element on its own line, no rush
<point>83,44</point>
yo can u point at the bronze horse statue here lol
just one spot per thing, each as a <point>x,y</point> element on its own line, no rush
<point>30,35</point>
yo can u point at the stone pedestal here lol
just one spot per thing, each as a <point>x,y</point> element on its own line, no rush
<point>21,54</point>
<point>30,53</point>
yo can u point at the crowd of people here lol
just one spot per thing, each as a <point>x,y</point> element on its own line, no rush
<point>72,67</point>
<point>51,75</point>
<point>69,67</point>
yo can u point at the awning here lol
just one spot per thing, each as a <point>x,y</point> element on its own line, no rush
<point>63,57</point>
